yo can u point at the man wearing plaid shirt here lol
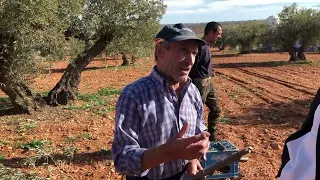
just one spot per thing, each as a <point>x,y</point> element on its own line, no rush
<point>160,132</point>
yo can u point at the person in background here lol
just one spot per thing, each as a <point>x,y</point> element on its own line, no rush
<point>160,131</point>
<point>201,74</point>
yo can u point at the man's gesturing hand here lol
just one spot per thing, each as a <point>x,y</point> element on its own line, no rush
<point>187,148</point>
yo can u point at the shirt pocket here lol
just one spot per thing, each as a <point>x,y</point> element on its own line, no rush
<point>188,114</point>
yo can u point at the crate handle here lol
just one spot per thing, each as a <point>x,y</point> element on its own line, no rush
<point>220,146</point>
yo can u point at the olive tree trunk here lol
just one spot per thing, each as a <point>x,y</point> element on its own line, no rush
<point>65,90</point>
<point>301,55</point>
<point>293,55</point>
<point>21,96</point>
<point>125,61</point>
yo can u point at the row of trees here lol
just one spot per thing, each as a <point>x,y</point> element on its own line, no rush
<point>32,32</point>
<point>46,30</point>
<point>296,25</point>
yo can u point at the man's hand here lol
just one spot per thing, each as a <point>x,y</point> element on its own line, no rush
<point>187,148</point>
<point>193,167</point>
<point>178,148</point>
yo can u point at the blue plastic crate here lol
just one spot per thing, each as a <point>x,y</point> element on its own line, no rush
<point>217,151</point>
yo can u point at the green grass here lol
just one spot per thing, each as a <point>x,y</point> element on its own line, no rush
<point>70,151</point>
<point>4,143</point>
<point>71,138</point>
<point>44,93</point>
<point>234,96</point>
<point>26,126</point>
<point>108,92</point>
<point>230,51</point>
<point>4,99</point>
<point>74,138</point>
<point>5,103</point>
<point>226,120</point>
<point>33,145</point>
<point>2,157</point>
<point>86,136</point>
<point>89,97</point>
<point>97,102</point>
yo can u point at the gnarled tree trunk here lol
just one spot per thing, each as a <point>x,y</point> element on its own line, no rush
<point>293,55</point>
<point>66,88</point>
<point>133,59</point>
<point>125,61</point>
<point>21,97</point>
<point>301,55</point>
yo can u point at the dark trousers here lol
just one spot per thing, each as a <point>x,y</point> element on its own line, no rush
<point>209,98</point>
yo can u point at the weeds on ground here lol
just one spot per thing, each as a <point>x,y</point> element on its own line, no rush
<point>97,102</point>
<point>224,119</point>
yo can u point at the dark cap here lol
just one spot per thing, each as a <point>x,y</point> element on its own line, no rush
<point>176,33</point>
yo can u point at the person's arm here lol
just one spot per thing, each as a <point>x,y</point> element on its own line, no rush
<point>200,120</point>
<point>126,151</point>
<point>154,156</point>
<point>177,148</point>
<point>131,159</point>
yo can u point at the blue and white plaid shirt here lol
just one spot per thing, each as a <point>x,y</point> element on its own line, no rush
<point>148,114</point>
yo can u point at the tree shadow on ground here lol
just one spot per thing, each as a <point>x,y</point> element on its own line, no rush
<point>224,55</point>
<point>290,115</point>
<point>61,70</point>
<point>79,158</point>
<point>259,64</point>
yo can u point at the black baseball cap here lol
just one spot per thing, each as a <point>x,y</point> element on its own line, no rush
<point>176,33</point>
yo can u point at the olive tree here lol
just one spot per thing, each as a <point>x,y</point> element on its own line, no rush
<point>138,43</point>
<point>103,22</point>
<point>297,25</point>
<point>35,31</point>
<point>246,36</point>
<point>31,32</point>
<point>228,37</point>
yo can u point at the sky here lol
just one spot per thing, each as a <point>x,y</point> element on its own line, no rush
<point>197,11</point>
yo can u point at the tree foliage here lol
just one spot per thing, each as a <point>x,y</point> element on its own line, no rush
<point>228,37</point>
<point>246,36</point>
<point>30,30</point>
<point>33,31</point>
<point>297,25</point>
<point>102,23</point>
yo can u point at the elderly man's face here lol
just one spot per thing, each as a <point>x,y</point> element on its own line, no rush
<point>176,60</point>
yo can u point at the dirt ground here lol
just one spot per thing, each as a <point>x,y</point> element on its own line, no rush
<point>264,98</point>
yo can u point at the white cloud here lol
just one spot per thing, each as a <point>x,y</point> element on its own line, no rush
<point>182,4</point>
<point>202,6</point>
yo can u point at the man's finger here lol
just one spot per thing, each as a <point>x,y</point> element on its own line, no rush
<point>198,147</point>
<point>199,167</point>
<point>197,138</point>
<point>183,130</point>
<point>194,171</point>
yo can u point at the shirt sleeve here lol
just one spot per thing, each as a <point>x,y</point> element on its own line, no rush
<point>200,120</point>
<point>126,151</point>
